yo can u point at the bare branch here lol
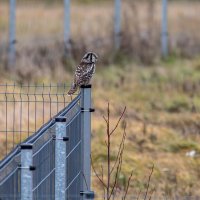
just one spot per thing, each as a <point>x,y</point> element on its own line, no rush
<point>152,193</point>
<point>121,149</point>
<point>106,143</point>
<point>102,178</point>
<point>108,151</point>
<point>122,114</point>
<point>96,174</point>
<point>149,179</point>
<point>139,194</point>
<point>108,119</point>
<point>129,179</point>
<point>102,173</point>
<point>105,119</point>
<point>116,175</point>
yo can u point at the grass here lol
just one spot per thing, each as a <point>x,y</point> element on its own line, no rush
<point>162,99</point>
<point>162,117</point>
<point>162,123</point>
<point>163,106</point>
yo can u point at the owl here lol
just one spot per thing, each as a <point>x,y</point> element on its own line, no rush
<point>84,72</point>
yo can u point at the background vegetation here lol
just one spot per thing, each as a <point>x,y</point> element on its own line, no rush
<point>162,96</point>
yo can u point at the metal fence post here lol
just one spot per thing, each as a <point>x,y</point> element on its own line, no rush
<point>67,25</point>
<point>164,37</point>
<point>60,161</point>
<point>86,140</point>
<point>12,30</point>
<point>117,24</point>
<point>26,172</point>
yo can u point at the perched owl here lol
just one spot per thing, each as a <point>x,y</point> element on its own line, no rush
<point>84,72</point>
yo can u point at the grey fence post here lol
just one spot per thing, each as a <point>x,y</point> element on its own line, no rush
<point>86,141</point>
<point>12,39</point>
<point>26,172</point>
<point>67,25</point>
<point>117,24</point>
<point>60,161</point>
<point>164,37</point>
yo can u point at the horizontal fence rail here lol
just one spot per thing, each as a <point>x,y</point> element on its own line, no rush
<point>49,164</point>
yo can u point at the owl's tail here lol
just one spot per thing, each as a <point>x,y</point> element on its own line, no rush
<point>73,89</point>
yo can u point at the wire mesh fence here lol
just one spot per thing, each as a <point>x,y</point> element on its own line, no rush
<point>74,151</point>
<point>10,177</point>
<point>41,145</point>
<point>24,108</point>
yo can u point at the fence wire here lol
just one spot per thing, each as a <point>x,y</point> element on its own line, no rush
<point>43,142</point>
<point>24,108</point>
<point>74,170</point>
<point>10,182</point>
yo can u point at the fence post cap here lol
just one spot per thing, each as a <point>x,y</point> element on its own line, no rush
<point>86,86</point>
<point>26,146</point>
<point>61,119</point>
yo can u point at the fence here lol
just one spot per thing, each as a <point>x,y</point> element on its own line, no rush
<point>24,108</point>
<point>117,27</point>
<point>54,162</point>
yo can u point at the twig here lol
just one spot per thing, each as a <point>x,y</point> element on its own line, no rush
<point>149,179</point>
<point>139,194</point>
<point>106,143</point>
<point>107,187</point>
<point>116,175</point>
<point>102,178</point>
<point>102,182</point>
<point>108,151</point>
<point>129,179</point>
<point>105,120</point>
<point>118,121</point>
<point>121,148</point>
<point>151,193</point>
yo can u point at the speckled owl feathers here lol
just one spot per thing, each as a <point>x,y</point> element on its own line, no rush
<point>84,72</point>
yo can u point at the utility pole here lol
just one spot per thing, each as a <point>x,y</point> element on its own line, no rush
<point>12,32</point>
<point>67,25</point>
<point>164,37</point>
<point>117,24</point>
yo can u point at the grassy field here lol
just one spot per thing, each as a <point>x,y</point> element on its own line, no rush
<point>162,99</point>
<point>163,106</point>
<point>163,114</point>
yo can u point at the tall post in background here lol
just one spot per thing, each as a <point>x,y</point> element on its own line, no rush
<point>117,24</point>
<point>67,26</point>
<point>12,30</point>
<point>26,172</point>
<point>164,37</point>
<point>60,161</point>
<point>86,140</point>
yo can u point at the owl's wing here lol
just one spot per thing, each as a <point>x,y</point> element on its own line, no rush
<point>83,73</point>
<point>89,69</point>
<point>80,70</point>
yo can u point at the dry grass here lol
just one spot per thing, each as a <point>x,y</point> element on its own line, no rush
<point>162,125</point>
<point>162,100</point>
<point>43,45</point>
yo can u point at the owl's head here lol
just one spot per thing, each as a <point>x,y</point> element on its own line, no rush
<point>90,57</point>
